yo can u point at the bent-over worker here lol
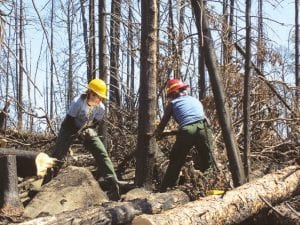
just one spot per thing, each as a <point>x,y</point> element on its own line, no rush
<point>84,115</point>
<point>193,131</point>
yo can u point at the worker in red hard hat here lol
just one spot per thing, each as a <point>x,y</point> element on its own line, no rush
<point>193,131</point>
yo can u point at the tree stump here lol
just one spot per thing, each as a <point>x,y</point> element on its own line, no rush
<point>10,204</point>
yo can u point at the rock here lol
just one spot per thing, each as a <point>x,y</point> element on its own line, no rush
<point>72,188</point>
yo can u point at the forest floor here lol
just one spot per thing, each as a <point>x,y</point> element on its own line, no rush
<point>194,183</point>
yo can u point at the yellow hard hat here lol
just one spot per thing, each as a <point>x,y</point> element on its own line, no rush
<point>98,86</point>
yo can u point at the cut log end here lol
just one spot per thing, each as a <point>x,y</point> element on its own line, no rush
<point>44,162</point>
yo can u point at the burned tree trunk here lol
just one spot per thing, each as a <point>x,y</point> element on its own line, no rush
<point>3,115</point>
<point>222,107</point>
<point>234,206</point>
<point>10,204</point>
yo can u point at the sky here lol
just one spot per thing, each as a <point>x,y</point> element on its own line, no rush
<point>279,21</point>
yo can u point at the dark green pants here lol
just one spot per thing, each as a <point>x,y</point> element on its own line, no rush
<point>197,134</point>
<point>93,144</point>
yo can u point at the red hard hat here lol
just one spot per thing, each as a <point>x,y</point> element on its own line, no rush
<point>174,85</point>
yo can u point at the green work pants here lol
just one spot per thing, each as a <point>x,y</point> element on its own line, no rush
<point>92,143</point>
<point>197,134</point>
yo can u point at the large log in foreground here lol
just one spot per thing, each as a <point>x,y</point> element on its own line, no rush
<point>114,212</point>
<point>235,206</point>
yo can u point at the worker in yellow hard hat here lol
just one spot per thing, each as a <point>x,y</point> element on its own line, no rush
<point>84,115</point>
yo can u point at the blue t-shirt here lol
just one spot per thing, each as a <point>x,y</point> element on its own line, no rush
<point>83,113</point>
<point>187,109</point>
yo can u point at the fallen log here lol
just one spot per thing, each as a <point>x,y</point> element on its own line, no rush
<point>234,206</point>
<point>30,163</point>
<point>284,213</point>
<point>115,212</point>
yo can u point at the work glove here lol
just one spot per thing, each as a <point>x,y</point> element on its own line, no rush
<point>88,134</point>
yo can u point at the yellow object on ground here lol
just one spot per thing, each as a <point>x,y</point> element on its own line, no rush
<point>215,192</point>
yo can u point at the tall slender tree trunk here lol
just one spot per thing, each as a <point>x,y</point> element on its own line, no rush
<point>21,69</point>
<point>16,83</point>
<point>146,145</point>
<point>202,77</point>
<point>70,14</point>
<point>226,42</point>
<point>222,108</point>
<point>171,41</point>
<point>130,61</point>
<point>85,36</point>
<point>51,62</point>
<point>102,40</point>
<point>181,6</point>
<point>4,125</point>
<point>102,58</point>
<point>260,41</point>
<point>247,83</point>
<point>201,60</point>
<point>92,42</point>
<point>114,51</point>
<point>297,53</point>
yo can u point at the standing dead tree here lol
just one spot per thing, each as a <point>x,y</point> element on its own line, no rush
<point>146,145</point>
<point>3,116</point>
<point>1,27</point>
<point>222,107</point>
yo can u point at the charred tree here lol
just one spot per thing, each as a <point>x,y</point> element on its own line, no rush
<point>3,116</point>
<point>70,21</point>
<point>21,69</point>
<point>51,63</point>
<point>146,145</point>
<point>225,28</point>
<point>102,40</point>
<point>246,98</point>
<point>114,51</point>
<point>85,35</point>
<point>92,42</point>
<point>130,60</point>
<point>260,42</point>
<point>233,153</point>
<point>10,204</point>
<point>297,51</point>
<point>102,58</point>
